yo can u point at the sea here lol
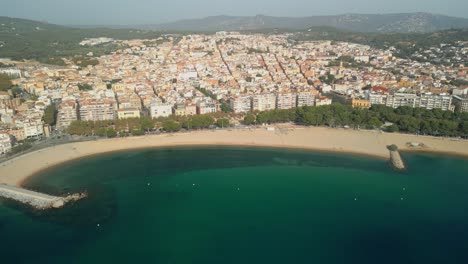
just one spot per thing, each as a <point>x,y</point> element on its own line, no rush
<point>244,205</point>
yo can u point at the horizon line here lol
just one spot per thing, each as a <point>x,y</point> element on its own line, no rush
<point>222,15</point>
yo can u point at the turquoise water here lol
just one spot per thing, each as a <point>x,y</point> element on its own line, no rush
<point>245,205</point>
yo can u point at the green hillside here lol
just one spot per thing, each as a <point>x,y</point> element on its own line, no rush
<point>27,39</point>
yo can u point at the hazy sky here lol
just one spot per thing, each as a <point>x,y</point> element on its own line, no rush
<point>156,11</point>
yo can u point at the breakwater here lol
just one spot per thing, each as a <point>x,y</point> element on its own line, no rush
<point>36,199</point>
<point>397,160</point>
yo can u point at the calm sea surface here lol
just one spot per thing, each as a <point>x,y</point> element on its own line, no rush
<point>244,205</point>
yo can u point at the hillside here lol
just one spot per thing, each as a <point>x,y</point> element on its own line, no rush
<point>27,39</point>
<point>383,23</point>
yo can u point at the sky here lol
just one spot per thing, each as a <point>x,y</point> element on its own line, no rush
<point>133,12</point>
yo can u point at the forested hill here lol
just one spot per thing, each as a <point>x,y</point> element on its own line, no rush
<point>27,39</point>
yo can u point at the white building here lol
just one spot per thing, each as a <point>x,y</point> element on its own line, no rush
<point>160,109</point>
<point>286,100</point>
<point>320,101</point>
<point>128,113</point>
<point>305,99</point>
<point>97,110</point>
<point>435,101</point>
<point>5,143</point>
<point>402,99</point>
<point>206,108</point>
<point>241,104</point>
<point>67,113</point>
<point>377,98</point>
<point>263,102</point>
<point>12,72</point>
<point>33,128</point>
<point>461,103</point>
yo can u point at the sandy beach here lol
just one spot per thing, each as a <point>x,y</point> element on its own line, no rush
<point>15,171</point>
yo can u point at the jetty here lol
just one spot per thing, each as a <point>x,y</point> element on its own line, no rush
<point>35,199</point>
<point>395,158</point>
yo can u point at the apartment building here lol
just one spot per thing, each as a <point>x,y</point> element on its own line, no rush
<point>67,113</point>
<point>436,101</point>
<point>128,113</point>
<point>461,103</point>
<point>263,102</point>
<point>286,100</point>
<point>241,104</point>
<point>402,99</point>
<point>97,110</point>
<point>160,109</point>
<point>305,99</point>
<point>5,143</point>
<point>206,108</point>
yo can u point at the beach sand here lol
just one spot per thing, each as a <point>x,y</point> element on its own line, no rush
<point>15,171</point>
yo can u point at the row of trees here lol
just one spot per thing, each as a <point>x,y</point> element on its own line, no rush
<point>405,119</point>
<point>138,126</point>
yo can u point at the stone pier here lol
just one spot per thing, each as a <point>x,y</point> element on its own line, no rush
<point>36,199</point>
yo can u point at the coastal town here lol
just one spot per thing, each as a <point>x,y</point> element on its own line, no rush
<point>199,74</point>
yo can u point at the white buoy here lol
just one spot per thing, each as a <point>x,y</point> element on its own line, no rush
<point>149,184</point>
<point>98,225</point>
<point>355,199</point>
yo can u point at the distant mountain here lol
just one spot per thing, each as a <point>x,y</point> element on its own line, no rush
<point>383,23</point>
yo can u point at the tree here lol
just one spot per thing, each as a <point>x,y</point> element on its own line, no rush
<point>222,122</point>
<point>392,128</point>
<point>50,115</point>
<point>15,90</point>
<point>249,119</point>
<point>392,147</point>
<point>111,133</point>
<point>84,87</point>
<point>137,132</point>
<point>171,126</point>
<point>5,82</point>
<point>146,124</point>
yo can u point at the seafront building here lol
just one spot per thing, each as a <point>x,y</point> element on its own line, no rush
<point>97,110</point>
<point>263,102</point>
<point>428,101</point>
<point>5,143</point>
<point>160,109</point>
<point>461,103</point>
<point>67,113</point>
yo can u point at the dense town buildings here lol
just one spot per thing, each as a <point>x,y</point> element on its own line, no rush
<point>195,74</point>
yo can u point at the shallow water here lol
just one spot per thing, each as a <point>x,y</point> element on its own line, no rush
<point>245,205</point>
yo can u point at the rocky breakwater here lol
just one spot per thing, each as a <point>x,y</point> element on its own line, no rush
<point>37,200</point>
<point>395,158</point>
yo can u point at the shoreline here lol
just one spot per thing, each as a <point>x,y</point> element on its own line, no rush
<point>17,171</point>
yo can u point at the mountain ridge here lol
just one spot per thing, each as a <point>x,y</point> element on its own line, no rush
<point>380,23</point>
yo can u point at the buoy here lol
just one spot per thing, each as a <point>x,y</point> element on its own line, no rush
<point>98,225</point>
<point>149,184</point>
<point>355,199</point>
